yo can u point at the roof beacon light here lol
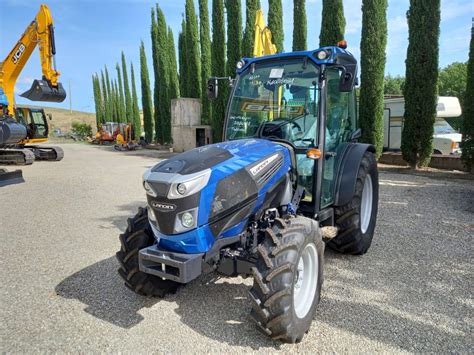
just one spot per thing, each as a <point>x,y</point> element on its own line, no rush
<point>342,44</point>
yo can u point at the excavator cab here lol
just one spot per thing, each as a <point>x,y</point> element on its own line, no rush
<point>42,90</point>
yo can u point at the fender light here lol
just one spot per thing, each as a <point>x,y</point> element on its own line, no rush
<point>313,153</point>
<point>186,185</point>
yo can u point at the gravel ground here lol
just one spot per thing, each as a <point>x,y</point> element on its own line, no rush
<point>412,292</point>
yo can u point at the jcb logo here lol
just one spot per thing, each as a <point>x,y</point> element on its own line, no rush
<point>19,52</point>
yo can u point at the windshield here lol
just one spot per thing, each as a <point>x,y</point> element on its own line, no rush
<point>276,100</point>
<point>441,126</point>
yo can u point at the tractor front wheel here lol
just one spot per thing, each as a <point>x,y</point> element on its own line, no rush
<point>138,236</point>
<point>287,278</point>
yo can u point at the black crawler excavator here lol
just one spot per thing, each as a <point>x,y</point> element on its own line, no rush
<point>21,128</point>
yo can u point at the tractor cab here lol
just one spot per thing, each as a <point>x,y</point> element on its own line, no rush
<point>304,100</point>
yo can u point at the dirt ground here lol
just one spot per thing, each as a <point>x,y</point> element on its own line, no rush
<point>412,292</point>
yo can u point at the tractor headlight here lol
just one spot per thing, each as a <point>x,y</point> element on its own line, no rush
<point>186,220</point>
<point>149,190</point>
<point>240,64</point>
<point>186,185</point>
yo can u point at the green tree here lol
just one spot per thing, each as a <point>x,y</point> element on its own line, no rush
<point>106,114</point>
<point>97,99</point>
<point>218,67</point>
<point>137,124</point>
<point>155,44</point>
<point>299,25</point>
<point>467,144</point>
<point>173,72</point>
<point>393,85</point>
<point>333,23</point>
<point>110,97</point>
<point>205,37</point>
<point>452,81</point>
<point>421,81</point>
<point>182,59</point>
<point>128,96</point>
<point>193,55</point>
<point>234,34</point>
<point>164,105</point>
<point>147,105</point>
<point>372,55</point>
<point>275,23</point>
<point>121,95</point>
<point>249,35</point>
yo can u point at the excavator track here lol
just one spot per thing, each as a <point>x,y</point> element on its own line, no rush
<point>16,156</point>
<point>53,153</point>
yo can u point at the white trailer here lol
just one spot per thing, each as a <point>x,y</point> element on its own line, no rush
<point>445,138</point>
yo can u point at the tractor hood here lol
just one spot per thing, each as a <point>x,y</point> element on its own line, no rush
<point>212,189</point>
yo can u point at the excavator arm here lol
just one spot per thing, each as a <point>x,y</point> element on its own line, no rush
<point>39,33</point>
<point>263,44</point>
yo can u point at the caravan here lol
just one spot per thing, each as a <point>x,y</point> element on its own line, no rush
<point>445,138</point>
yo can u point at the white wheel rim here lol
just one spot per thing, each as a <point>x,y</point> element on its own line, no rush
<point>366,204</point>
<point>306,281</point>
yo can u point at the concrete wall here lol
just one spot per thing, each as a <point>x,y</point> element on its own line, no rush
<point>185,120</point>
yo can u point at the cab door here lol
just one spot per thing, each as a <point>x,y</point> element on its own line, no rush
<point>341,122</point>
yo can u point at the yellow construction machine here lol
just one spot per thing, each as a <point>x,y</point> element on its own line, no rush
<point>19,127</point>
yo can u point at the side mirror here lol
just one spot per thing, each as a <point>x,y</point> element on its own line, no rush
<point>348,78</point>
<point>356,135</point>
<point>50,116</point>
<point>212,88</point>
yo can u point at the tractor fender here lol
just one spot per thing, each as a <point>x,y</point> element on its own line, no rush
<point>347,172</point>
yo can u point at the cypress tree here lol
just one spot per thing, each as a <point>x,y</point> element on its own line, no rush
<point>128,96</point>
<point>106,115</point>
<point>218,67</point>
<point>97,99</point>
<point>234,34</point>
<point>146,96</point>
<point>421,81</point>
<point>333,23</point>
<point>113,101</point>
<point>299,25</point>
<point>205,37</point>
<point>137,124</point>
<point>249,35</point>
<point>372,48</point>
<point>164,104</point>
<point>121,95</point>
<point>467,128</point>
<point>192,49</point>
<point>275,23</point>
<point>117,101</point>
<point>174,81</point>
<point>110,97</point>
<point>183,85</point>
<point>155,54</point>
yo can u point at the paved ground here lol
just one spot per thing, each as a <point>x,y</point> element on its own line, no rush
<point>60,291</point>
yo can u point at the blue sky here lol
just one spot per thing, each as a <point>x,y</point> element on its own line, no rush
<point>92,33</point>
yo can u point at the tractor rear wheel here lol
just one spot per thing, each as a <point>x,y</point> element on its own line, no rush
<point>287,278</point>
<point>138,236</point>
<point>356,220</point>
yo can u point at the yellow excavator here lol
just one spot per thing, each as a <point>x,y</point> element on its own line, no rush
<point>20,127</point>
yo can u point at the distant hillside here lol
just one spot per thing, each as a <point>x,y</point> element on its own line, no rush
<point>63,118</point>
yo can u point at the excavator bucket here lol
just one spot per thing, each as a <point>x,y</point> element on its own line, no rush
<point>10,177</point>
<point>41,90</point>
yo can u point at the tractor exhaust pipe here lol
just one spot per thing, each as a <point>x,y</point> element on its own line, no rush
<point>42,90</point>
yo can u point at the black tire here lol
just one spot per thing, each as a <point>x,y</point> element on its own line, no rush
<point>138,236</point>
<point>275,274</point>
<point>351,239</point>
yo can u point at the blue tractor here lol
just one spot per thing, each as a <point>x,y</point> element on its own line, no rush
<point>288,179</point>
